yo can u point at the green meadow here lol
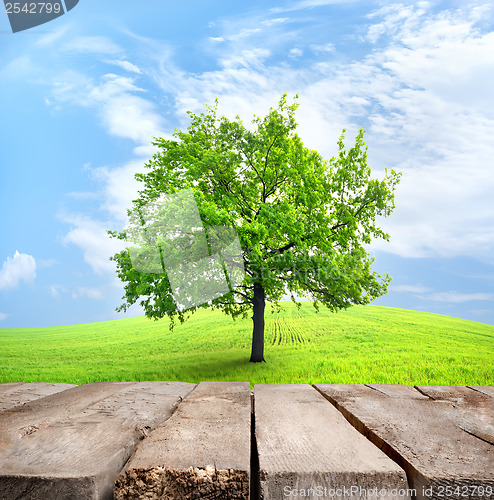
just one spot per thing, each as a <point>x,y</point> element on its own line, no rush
<point>364,344</point>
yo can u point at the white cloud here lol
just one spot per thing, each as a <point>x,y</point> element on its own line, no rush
<point>97,246</point>
<point>409,288</point>
<point>56,290</point>
<point>235,36</point>
<point>296,52</point>
<point>88,292</point>
<point>52,37</point>
<point>19,68</point>
<point>309,4</point>
<point>303,4</point>
<point>92,45</point>
<point>102,292</point>
<point>3,316</point>
<point>118,188</point>
<point>149,150</point>
<point>253,58</point>
<point>481,312</point>
<point>131,117</point>
<point>458,298</point>
<point>123,113</point>
<point>439,120</point>
<point>244,33</point>
<point>425,293</point>
<point>277,20</point>
<point>321,49</point>
<point>21,267</point>
<point>397,18</point>
<point>44,263</point>
<point>126,65</point>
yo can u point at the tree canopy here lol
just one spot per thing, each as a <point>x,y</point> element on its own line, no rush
<point>303,222</point>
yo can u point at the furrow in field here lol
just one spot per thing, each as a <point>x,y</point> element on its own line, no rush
<point>275,330</point>
<point>289,331</point>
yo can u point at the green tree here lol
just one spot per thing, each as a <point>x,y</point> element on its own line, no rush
<point>303,222</point>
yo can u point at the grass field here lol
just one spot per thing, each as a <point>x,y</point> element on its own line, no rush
<point>364,344</point>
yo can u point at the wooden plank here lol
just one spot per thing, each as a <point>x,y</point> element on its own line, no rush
<point>16,394</point>
<point>488,390</point>
<point>465,396</point>
<point>306,448</point>
<point>397,391</point>
<point>202,451</point>
<point>474,409</point>
<point>7,386</point>
<point>441,459</point>
<point>73,444</point>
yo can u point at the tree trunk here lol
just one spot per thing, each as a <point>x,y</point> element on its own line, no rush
<point>257,355</point>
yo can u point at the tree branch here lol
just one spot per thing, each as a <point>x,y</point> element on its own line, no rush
<point>369,202</point>
<point>243,295</point>
<point>284,248</point>
<point>227,188</point>
<point>264,195</point>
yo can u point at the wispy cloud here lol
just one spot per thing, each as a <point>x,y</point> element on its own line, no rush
<point>409,288</point>
<point>242,34</point>
<point>296,52</point>
<point>88,292</point>
<point>303,4</point>
<point>93,45</point>
<point>276,20</point>
<point>91,236</point>
<point>101,292</point>
<point>321,49</point>
<point>123,112</point>
<point>126,65</point>
<point>20,267</point>
<point>21,67</point>
<point>56,290</point>
<point>118,187</point>
<point>309,4</point>
<point>453,297</point>
<point>246,59</point>
<point>3,316</point>
<point>53,37</point>
<point>458,298</point>
<point>438,117</point>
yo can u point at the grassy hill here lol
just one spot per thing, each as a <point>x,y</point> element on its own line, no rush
<point>364,344</point>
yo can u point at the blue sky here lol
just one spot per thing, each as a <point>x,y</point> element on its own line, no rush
<point>82,96</point>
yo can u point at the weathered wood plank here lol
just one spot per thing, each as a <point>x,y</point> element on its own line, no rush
<point>441,459</point>
<point>465,396</point>
<point>307,448</point>
<point>474,409</point>
<point>7,386</point>
<point>15,394</point>
<point>202,451</point>
<point>73,444</point>
<point>488,390</point>
<point>397,391</point>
